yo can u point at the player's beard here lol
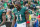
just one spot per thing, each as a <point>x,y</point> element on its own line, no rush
<point>18,8</point>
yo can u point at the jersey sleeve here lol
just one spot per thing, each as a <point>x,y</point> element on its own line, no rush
<point>25,8</point>
<point>13,10</point>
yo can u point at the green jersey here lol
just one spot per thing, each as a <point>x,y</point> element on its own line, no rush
<point>1,11</point>
<point>20,15</point>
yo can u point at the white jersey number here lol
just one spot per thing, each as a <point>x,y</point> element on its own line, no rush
<point>20,17</point>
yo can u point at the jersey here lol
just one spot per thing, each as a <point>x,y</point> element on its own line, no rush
<point>20,15</point>
<point>1,11</point>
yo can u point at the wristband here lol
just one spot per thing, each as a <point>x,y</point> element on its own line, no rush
<point>28,22</point>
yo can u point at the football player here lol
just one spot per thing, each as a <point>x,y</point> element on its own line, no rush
<point>21,16</point>
<point>2,17</point>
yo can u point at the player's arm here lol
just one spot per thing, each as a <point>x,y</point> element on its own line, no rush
<point>14,20</point>
<point>27,18</point>
<point>3,18</point>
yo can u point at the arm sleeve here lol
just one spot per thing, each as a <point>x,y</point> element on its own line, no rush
<point>25,9</point>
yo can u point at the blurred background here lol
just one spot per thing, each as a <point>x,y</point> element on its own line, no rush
<point>33,7</point>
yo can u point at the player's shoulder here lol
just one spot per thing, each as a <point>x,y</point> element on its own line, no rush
<point>14,9</point>
<point>24,7</point>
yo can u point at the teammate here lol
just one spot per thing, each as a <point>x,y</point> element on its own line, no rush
<point>2,17</point>
<point>21,16</point>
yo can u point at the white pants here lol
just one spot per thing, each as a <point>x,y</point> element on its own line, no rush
<point>3,26</point>
<point>21,25</point>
